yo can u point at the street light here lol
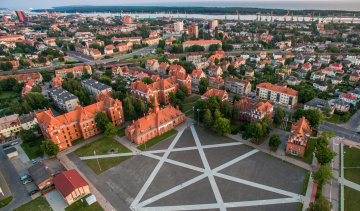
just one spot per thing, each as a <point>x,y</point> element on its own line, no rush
<point>97,161</point>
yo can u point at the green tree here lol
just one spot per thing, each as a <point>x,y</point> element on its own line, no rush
<point>208,120</point>
<point>70,75</point>
<point>222,126</point>
<point>320,204</point>
<point>324,155</point>
<point>147,80</point>
<point>108,73</point>
<point>140,107</point>
<point>27,135</point>
<point>110,130</point>
<point>180,95</point>
<point>323,175</point>
<point>46,75</point>
<point>49,148</point>
<point>279,115</point>
<point>214,47</point>
<point>101,121</point>
<point>203,85</point>
<point>36,88</point>
<point>274,142</point>
<point>306,94</point>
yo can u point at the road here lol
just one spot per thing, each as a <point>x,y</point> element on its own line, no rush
<point>341,131</point>
<point>146,50</point>
<point>12,178</point>
<point>354,122</point>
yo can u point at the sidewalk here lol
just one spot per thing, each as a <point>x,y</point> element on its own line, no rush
<point>68,164</point>
<point>282,157</point>
<point>131,146</point>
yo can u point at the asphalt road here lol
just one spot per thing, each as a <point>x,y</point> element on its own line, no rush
<point>341,131</point>
<point>146,50</point>
<point>12,178</point>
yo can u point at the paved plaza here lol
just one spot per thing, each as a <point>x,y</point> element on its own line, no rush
<point>199,170</point>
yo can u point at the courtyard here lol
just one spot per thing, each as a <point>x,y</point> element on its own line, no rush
<point>198,170</point>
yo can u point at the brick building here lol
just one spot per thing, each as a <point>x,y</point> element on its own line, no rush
<point>36,77</point>
<point>253,111</point>
<point>77,71</point>
<point>157,122</point>
<point>299,137</point>
<point>79,123</point>
<point>215,92</point>
<point>277,94</point>
<point>205,43</point>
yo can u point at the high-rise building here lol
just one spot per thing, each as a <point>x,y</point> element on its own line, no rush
<point>178,26</point>
<point>21,16</point>
<point>193,31</point>
<point>213,24</point>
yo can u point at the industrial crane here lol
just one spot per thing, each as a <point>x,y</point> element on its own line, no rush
<point>286,15</point>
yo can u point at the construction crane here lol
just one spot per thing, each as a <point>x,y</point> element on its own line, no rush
<point>312,17</point>
<point>286,15</point>
<point>292,16</point>
<point>352,20</point>
<point>271,19</point>
<point>340,17</point>
<point>238,15</point>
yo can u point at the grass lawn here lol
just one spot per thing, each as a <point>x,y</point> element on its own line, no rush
<point>101,147</point>
<point>38,204</point>
<point>308,153</point>
<point>188,103</point>
<point>6,201</point>
<point>77,141</point>
<point>8,94</point>
<point>351,157</point>
<point>121,132</point>
<point>306,182</point>
<point>83,206</point>
<point>352,174</point>
<point>334,119</point>
<point>157,139</point>
<point>119,54</point>
<point>352,197</point>
<point>32,149</point>
<point>105,163</point>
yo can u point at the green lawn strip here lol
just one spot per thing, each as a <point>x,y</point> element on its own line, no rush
<point>121,132</point>
<point>308,153</point>
<point>101,147</point>
<point>351,157</point>
<point>83,206</point>
<point>189,103</point>
<point>351,199</point>
<point>6,201</point>
<point>33,149</point>
<point>306,182</point>
<point>38,204</point>
<point>157,139</point>
<point>300,206</point>
<point>105,163</point>
<point>334,119</point>
<point>352,174</point>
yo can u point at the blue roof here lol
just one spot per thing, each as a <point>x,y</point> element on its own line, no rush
<point>10,150</point>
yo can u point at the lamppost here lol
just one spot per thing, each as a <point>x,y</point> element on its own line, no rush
<point>97,161</point>
<point>198,116</point>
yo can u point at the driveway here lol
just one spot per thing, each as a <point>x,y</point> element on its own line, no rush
<point>56,201</point>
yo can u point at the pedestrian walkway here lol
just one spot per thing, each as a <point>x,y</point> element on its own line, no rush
<point>282,157</point>
<point>349,184</point>
<point>125,142</point>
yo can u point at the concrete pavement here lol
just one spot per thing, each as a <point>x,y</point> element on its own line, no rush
<point>340,131</point>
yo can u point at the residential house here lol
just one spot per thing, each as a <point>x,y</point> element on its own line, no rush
<point>340,105</point>
<point>77,71</point>
<point>41,176</point>
<point>27,87</point>
<point>9,126</point>
<point>299,137</point>
<point>320,85</point>
<point>318,76</point>
<point>163,67</point>
<point>253,111</point>
<point>152,65</point>
<point>216,82</point>
<point>196,76</point>
<point>320,104</point>
<point>57,81</point>
<point>63,99</point>
<point>215,70</point>
<point>28,121</point>
<point>215,92</point>
<point>237,86</point>
<point>95,87</point>
<point>349,98</point>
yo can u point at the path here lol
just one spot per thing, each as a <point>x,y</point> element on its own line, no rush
<point>131,146</point>
<point>274,154</point>
<point>68,164</point>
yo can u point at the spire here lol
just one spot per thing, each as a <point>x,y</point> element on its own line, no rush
<point>156,104</point>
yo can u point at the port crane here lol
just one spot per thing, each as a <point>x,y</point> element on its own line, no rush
<point>286,15</point>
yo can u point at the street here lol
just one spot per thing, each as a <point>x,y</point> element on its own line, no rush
<point>340,131</point>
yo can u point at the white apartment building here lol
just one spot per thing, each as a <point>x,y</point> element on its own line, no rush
<point>277,94</point>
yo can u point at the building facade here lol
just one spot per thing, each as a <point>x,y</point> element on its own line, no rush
<point>9,126</point>
<point>77,71</point>
<point>95,87</point>
<point>277,94</point>
<point>299,137</point>
<point>80,123</point>
<point>237,86</point>
<point>253,111</point>
<point>63,99</point>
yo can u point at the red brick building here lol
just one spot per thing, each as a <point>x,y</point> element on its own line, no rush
<point>80,123</point>
<point>252,110</point>
<point>215,92</point>
<point>71,185</point>
<point>299,137</point>
<point>157,122</point>
<point>160,88</point>
<point>36,77</point>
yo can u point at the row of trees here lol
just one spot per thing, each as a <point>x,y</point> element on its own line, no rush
<point>105,125</point>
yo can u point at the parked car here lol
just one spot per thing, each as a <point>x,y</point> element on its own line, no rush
<point>26,176</point>
<point>33,161</point>
<point>27,181</point>
<point>14,143</point>
<point>33,192</point>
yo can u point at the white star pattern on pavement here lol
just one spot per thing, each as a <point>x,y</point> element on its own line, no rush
<point>206,172</point>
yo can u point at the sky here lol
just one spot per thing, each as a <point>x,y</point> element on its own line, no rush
<point>39,4</point>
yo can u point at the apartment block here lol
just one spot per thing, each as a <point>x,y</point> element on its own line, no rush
<point>63,99</point>
<point>277,94</point>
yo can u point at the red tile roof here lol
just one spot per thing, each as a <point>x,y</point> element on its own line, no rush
<point>277,88</point>
<point>201,42</point>
<point>68,181</point>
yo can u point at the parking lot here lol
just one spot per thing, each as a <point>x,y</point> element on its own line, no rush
<point>197,169</point>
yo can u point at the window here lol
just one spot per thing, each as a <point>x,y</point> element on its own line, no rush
<point>294,152</point>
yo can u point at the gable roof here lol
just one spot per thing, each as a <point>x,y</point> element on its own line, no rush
<point>68,181</point>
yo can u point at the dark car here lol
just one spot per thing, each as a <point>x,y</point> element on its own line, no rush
<point>33,192</point>
<point>26,176</point>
